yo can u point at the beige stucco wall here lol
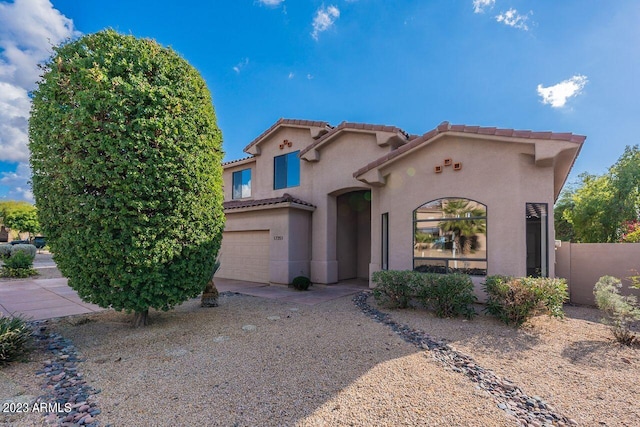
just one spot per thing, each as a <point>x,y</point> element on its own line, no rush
<point>582,264</point>
<point>500,175</point>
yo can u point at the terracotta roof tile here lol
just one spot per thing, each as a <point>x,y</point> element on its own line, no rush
<point>286,198</point>
<point>447,127</point>
<point>283,121</point>
<point>357,126</point>
<point>230,162</point>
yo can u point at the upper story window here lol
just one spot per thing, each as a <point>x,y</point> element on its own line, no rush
<point>286,170</point>
<point>241,184</point>
<point>450,235</point>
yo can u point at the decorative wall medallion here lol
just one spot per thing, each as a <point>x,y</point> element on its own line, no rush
<point>286,143</point>
<point>448,162</point>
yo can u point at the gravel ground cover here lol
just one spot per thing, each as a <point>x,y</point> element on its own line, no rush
<point>574,364</point>
<point>255,361</point>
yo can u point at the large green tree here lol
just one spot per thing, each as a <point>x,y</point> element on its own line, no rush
<point>597,207</point>
<point>19,216</point>
<point>126,153</point>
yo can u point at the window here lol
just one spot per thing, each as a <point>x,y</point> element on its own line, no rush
<point>450,236</point>
<point>241,184</point>
<point>385,241</point>
<point>286,171</point>
<point>537,239</point>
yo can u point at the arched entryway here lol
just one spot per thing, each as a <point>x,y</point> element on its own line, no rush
<point>353,234</point>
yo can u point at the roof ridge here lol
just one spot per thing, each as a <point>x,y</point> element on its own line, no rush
<point>445,127</point>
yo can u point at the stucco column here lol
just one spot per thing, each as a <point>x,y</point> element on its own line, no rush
<point>324,265</point>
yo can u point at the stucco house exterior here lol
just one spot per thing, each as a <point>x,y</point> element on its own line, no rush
<point>336,203</point>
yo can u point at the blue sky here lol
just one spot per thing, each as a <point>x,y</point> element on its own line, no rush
<point>564,66</point>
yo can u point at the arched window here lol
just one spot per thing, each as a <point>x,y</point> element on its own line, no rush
<point>450,236</point>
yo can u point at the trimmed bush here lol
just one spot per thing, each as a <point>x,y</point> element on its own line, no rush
<point>19,265</point>
<point>516,300</point>
<point>25,248</point>
<point>19,260</point>
<point>396,288</point>
<point>449,295</point>
<point>5,251</point>
<point>15,335</point>
<point>301,283</point>
<point>621,311</point>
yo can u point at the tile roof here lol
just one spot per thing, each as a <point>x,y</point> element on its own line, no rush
<point>445,127</point>
<point>230,162</point>
<point>291,122</point>
<point>357,126</point>
<point>285,198</point>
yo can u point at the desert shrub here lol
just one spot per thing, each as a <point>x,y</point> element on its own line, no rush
<point>15,335</point>
<point>5,251</point>
<point>449,295</point>
<point>25,248</point>
<point>396,288</point>
<point>19,259</point>
<point>19,265</point>
<point>301,283</point>
<point>621,311</point>
<point>516,300</point>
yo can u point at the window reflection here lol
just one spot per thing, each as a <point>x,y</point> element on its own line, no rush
<point>450,235</point>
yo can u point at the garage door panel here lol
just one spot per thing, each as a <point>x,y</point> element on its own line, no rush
<point>244,255</point>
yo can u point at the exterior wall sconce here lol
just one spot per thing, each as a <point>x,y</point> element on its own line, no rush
<point>438,169</point>
<point>448,162</point>
<point>457,166</point>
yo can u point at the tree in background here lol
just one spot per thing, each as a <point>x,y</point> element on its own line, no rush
<point>126,159</point>
<point>466,228</point>
<point>19,216</point>
<point>597,208</point>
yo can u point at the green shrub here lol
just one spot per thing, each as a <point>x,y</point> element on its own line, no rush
<point>621,311</point>
<point>516,300</point>
<point>396,288</point>
<point>19,265</point>
<point>28,249</point>
<point>15,335</point>
<point>5,251</point>
<point>449,295</point>
<point>19,259</point>
<point>301,283</point>
<point>133,211</point>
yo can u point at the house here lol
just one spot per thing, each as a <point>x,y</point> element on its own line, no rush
<point>336,203</point>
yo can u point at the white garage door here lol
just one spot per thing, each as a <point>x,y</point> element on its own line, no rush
<point>244,255</point>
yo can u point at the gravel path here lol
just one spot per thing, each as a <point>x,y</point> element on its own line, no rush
<point>254,361</point>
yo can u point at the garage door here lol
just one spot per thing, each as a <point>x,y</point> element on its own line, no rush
<point>244,255</point>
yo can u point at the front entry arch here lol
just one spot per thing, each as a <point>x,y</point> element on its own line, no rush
<point>353,234</point>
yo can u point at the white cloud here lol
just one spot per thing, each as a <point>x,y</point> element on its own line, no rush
<point>18,183</point>
<point>291,75</point>
<point>309,77</point>
<point>240,65</point>
<point>271,3</point>
<point>479,6</point>
<point>324,19</point>
<point>558,94</point>
<point>28,30</point>
<point>513,19</point>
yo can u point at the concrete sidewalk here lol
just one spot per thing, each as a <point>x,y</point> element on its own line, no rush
<point>38,299</point>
